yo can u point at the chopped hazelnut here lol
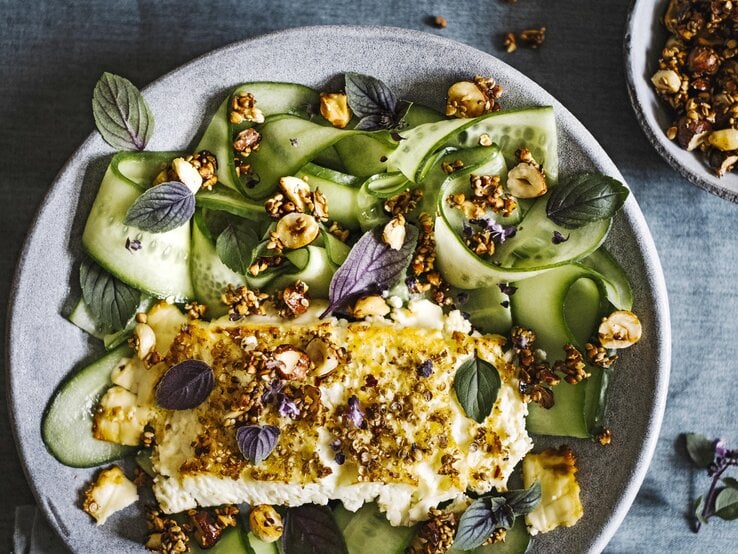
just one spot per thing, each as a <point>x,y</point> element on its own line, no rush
<point>298,192</point>
<point>144,339</point>
<point>323,356</point>
<point>692,132</point>
<point>394,232</point>
<point>296,230</point>
<point>265,522</point>
<point>373,305</point>
<point>244,108</point>
<point>724,139</point>
<point>187,174</point>
<point>620,329</point>
<point>292,363</point>
<point>526,180</point>
<point>472,99</point>
<point>666,80</point>
<point>334,108</point>
<point>247,141</point>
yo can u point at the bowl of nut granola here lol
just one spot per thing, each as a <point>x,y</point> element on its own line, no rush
<point>682,74</point>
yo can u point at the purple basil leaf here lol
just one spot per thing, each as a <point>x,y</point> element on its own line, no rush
<point>368,95</point>
<point>185,385</point>
<point>121,114</point>
<point>256,442</point>
<point>475,526</point>
<point>354,412</point>
<point>375,122</point>
<point>524,501</point>
<point>311,529</point>
<point>370,266</point>
<point>587,197</point>
<point>162,208</point>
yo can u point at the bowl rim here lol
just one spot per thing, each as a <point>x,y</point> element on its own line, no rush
<point>635,222</point>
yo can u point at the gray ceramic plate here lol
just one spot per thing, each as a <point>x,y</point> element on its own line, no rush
<point>644,40</point>
<point>43,347</point>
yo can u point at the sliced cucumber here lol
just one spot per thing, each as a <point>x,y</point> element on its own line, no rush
<point>540,304</point>
<point>210,276</point>
<point>369,531</point>
<point>486,310</point>
<point>160,267</point>
<point>332,175</point>
<point>231,201</point>
<point>67,424</point>
<point>617,286</point>
<point>341,198</point>
<point>258,546</point>
<point>231,542</point>
<point>517,541</point>
<point>141,168</point>
<point>418,114</point>
<point>82,318</point>
<point>271,98</point>
<point>342,516</point>
<point>314,267</point>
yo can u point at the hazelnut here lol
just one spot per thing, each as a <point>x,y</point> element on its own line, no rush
<point>298,192</point>
<point>724,139</point>
<point>721,162</point>
<point>526,180</point>
<point>323,356</point>
<point>620,329</point>
<point>666,80</point>
<point>292,363</point>
<point>394,232</point>
<point>247,141</point>
<point>466,99</point>
<point>296,230</point>
<point>187,174</point>
<point>265,523</point>
<point>334,108</point>
<point>145,339</point>
<point>703,60</point>
<point>373,305</point>
<point>692,132</point>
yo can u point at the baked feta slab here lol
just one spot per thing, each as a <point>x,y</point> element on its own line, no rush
<point>407,443</point>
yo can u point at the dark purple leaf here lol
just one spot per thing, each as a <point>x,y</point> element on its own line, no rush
<point>111,302</point>
<point>311,529</point>
<point>121,114</point>
<point>185,385</point>
<point>162,208</point>
<point>524,501</point>
<point>370,266</point>
<point>368,95</point>
<point>256,442</point>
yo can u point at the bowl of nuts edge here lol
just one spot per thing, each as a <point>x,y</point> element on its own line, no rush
<point>678,88</point>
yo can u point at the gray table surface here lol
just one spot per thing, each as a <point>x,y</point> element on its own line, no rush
<point>53,52</point>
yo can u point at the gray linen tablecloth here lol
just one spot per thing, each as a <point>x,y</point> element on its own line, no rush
<point>53,52</point>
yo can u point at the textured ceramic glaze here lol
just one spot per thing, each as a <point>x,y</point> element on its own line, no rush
<point>644,40</point>
<point>43,347</point>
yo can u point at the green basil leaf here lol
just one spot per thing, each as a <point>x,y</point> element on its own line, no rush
<point>475,526</point>
<point>111,302</point>
<point>730,482</point>
<point>236,246</point>
<point>121,113</point>
<point>586,198</point>
<point>726,504</point>
<point>504,517</point>
<point>311,529</point>
<point>524,501</point>
<point>700,449</point>
<point>477,384</point>
<point>162,208</point>
<point>699,506</point>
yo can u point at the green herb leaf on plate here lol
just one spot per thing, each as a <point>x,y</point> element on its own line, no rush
<point>162,208</point>
<point>524,501</point>
<point>477,384</point>
<point>730,482</point>
<point>476,525</point>
<point>235,247</point>
<point>699,506</point>
<point>726,504</point>
<point>700,449</point>
<point>111,302</point>
<point>312,529</point>
<point>121,113</point>
<point>586,198</point>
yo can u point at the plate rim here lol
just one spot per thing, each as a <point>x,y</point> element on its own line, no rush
<point>635,221</point>
<point>657,138</point>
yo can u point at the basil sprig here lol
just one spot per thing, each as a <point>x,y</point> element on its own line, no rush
<point>111,302</point>
<point>477,384</point>
<point>236,246</point>
<point>586,198</point>
<point>162,208</point>
<point>494,511</point>
<point>185,386</point>
<point>121,113</point>
<point>374,103</point>
<point>311,529</point>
